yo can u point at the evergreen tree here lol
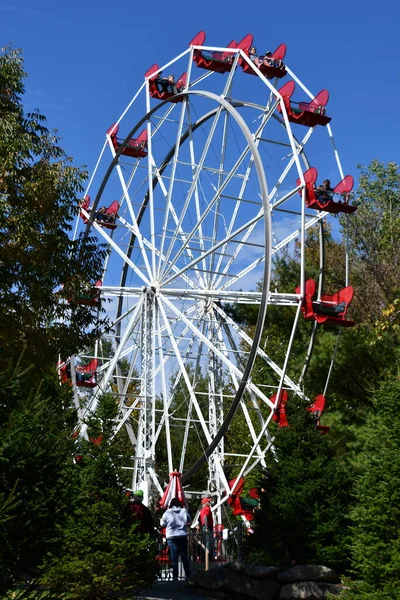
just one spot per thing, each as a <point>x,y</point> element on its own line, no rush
<point>375,541</point>
<point>303,515</point>
<point>98,551</point>
<point>35,447</point>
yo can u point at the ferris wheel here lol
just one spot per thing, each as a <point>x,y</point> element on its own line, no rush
<point>200,185</point>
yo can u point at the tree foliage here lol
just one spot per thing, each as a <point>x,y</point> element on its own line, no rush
<point>375,538</point>
<point>40,267</point>
<point>304,510</point>
<point>292,525</point>
<point>35,448</point>
<point>97,550</point>
<point>38,190</point>
<point>374,238</point>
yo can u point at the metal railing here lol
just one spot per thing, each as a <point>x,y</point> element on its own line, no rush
<point>206,550</point>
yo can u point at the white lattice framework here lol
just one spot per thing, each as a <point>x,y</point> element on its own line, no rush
<point>197,230</point>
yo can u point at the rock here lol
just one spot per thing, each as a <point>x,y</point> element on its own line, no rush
<point>308,573</point>
<point>308,590</point>
<point>223,579</point>
<point>234,566</point>
<point>253,571</point>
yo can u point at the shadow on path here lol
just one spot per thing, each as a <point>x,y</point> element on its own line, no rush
<point>170,590</point>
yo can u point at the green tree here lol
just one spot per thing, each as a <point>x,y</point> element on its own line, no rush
<point>374,237</point>
<point>35,448</point>
<point>38,190</point>
<point>98,551</point>
<point>303,514</point>
<point>368,352</point>
<point>375,537</point>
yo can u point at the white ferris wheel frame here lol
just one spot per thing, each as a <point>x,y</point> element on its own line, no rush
<point>153,291</point>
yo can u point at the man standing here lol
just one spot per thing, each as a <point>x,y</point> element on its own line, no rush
<point>141,514</point>
<point>207,524</point>
<point>206,517</point>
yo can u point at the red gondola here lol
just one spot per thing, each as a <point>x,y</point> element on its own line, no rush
<point>90,296</point>
<point>267,70</point>
<point>305,113</point>
<point>111,210</point>
<point>330,309</point>
<point>316,409</point>
<point>219,62</point>
<point>313,200</point>
<point>244,507</point>
<point>136,148</point>
<point>65,372</point>
<point>106,221</point>
<point>84,204</point>
<point>279,415</point>
<point>97,441</point>
<point>86,374</point>
<point>89,374</point>
<point>155,93</point>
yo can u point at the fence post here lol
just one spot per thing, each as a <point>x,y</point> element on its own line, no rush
<point>239,535</point>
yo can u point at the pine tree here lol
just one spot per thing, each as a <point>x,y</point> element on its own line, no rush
<point>35,448</point>
<point>304,511</point>
<point>375,533</point>
<point>98,550</point>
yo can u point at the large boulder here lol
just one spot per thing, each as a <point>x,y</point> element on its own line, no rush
<point>308,573</point>
<point>223,579</point>
<point>253,571</point>
<point>308,590</point>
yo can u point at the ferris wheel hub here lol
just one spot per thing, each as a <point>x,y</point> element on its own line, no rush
<point>151,290</point>
<point>208,304</point>
<point>154,288</point>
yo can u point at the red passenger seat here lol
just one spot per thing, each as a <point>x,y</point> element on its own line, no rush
<point>317,408</point>
<point>89,369</point>
<point>330,309</point>
<point>314,200</point>
<point>89,296</point>
<point>113,208</point>
<point>267,70</point>
<point>309,114</point>
<point>85,203</point>
<point>279,415</point>
<point>155,93</point>
<point>136,148</point>
<point>219,62</point>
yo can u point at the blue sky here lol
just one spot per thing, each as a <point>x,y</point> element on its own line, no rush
<point>86,60</point>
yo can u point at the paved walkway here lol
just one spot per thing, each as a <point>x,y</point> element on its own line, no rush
<point>170,590</point>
